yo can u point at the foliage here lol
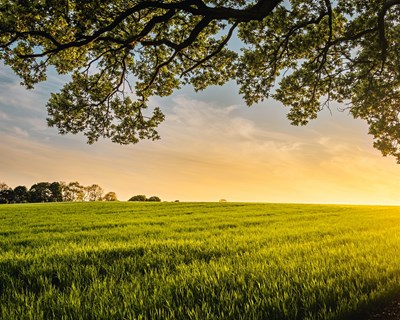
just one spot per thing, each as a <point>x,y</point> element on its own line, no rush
<point>304,53</point>
<point>56,191</point>
<point>4,186</point>
<point>4,193</point>
<point>110,196</point>
<point>53,192</point>
<point>45,192</point>
<point>72,191</point>
<point>154,199</point>
<point>93,193</point>
<point>126,260</point>
<point>139,197</point>
<point>40,192</point>
<point>21,194</point>
<point>142,197</point>
<point>6,196</point>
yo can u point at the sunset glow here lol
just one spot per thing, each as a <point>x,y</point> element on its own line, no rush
<point>212,146</point>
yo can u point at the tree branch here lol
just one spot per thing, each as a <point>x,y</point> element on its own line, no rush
<point>381,26</point>
<point>189,40</point>
<point>257,12</point>
<point>215,52</point>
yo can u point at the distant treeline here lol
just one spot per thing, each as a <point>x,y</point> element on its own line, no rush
<point>54,192</point>
<point>142,197</point>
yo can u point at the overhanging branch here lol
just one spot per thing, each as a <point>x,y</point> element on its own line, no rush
<point>381,25</point>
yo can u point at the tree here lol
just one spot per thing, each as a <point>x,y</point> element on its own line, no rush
<point>6,194</point>
<point>40,192</point>
<point>4,186</point>
<point>56,192</point>
<point>21,194</point>
<point>154,199</point>
<point>72,191</point>
<point>139,197</point>
<point>46,192</point>
<point>304,53</point>
<point>110,196</point>
<point>93,193</point>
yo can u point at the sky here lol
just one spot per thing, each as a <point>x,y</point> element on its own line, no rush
<point>212,147</point>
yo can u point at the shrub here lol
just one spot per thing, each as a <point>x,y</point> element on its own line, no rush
<point>110,196</point>
<point>154,199</point>
<point>139,197</point>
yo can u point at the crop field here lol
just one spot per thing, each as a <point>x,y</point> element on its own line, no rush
<point>197,260</point>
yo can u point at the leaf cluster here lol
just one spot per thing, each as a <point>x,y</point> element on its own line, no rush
<point>304,53</point>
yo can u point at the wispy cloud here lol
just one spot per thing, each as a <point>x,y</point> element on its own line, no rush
<point>20,132</point>
<point>4,116</point>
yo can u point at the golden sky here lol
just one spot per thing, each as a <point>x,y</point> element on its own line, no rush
<point>212,147</point>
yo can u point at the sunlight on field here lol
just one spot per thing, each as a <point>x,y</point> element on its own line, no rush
<point>196,260</point>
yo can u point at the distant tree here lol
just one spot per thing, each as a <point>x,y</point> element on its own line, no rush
<point>154,199</point>
<point>40,192</point>
<point>21,194</point>
<point>7,196</point>
<point>56,192</point>
<point>6,193</point>
<point>45,192</point>
<point>64,191</point>
<point>4,186</point>
<point>93,193</point>
<point>72,191</point>
<point>139,197</point>
<point>110,196</point>
<point>3,192</point>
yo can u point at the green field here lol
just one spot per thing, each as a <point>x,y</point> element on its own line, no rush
<point>196,260</point>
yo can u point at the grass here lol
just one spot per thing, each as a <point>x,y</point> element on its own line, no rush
<point>196,260</point>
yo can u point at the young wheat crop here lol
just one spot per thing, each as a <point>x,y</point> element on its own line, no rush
<point>196,260</point>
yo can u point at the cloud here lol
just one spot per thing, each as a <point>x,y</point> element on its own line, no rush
<point>22,111</point>
<point>4,116</point>
<point>20,132</point>
<point>219,130</point>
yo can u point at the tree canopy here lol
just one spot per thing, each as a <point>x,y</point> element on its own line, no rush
<point>110,196</point>
<point>304,53</point>
<point>142,197</point>
<point>139,197</point>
